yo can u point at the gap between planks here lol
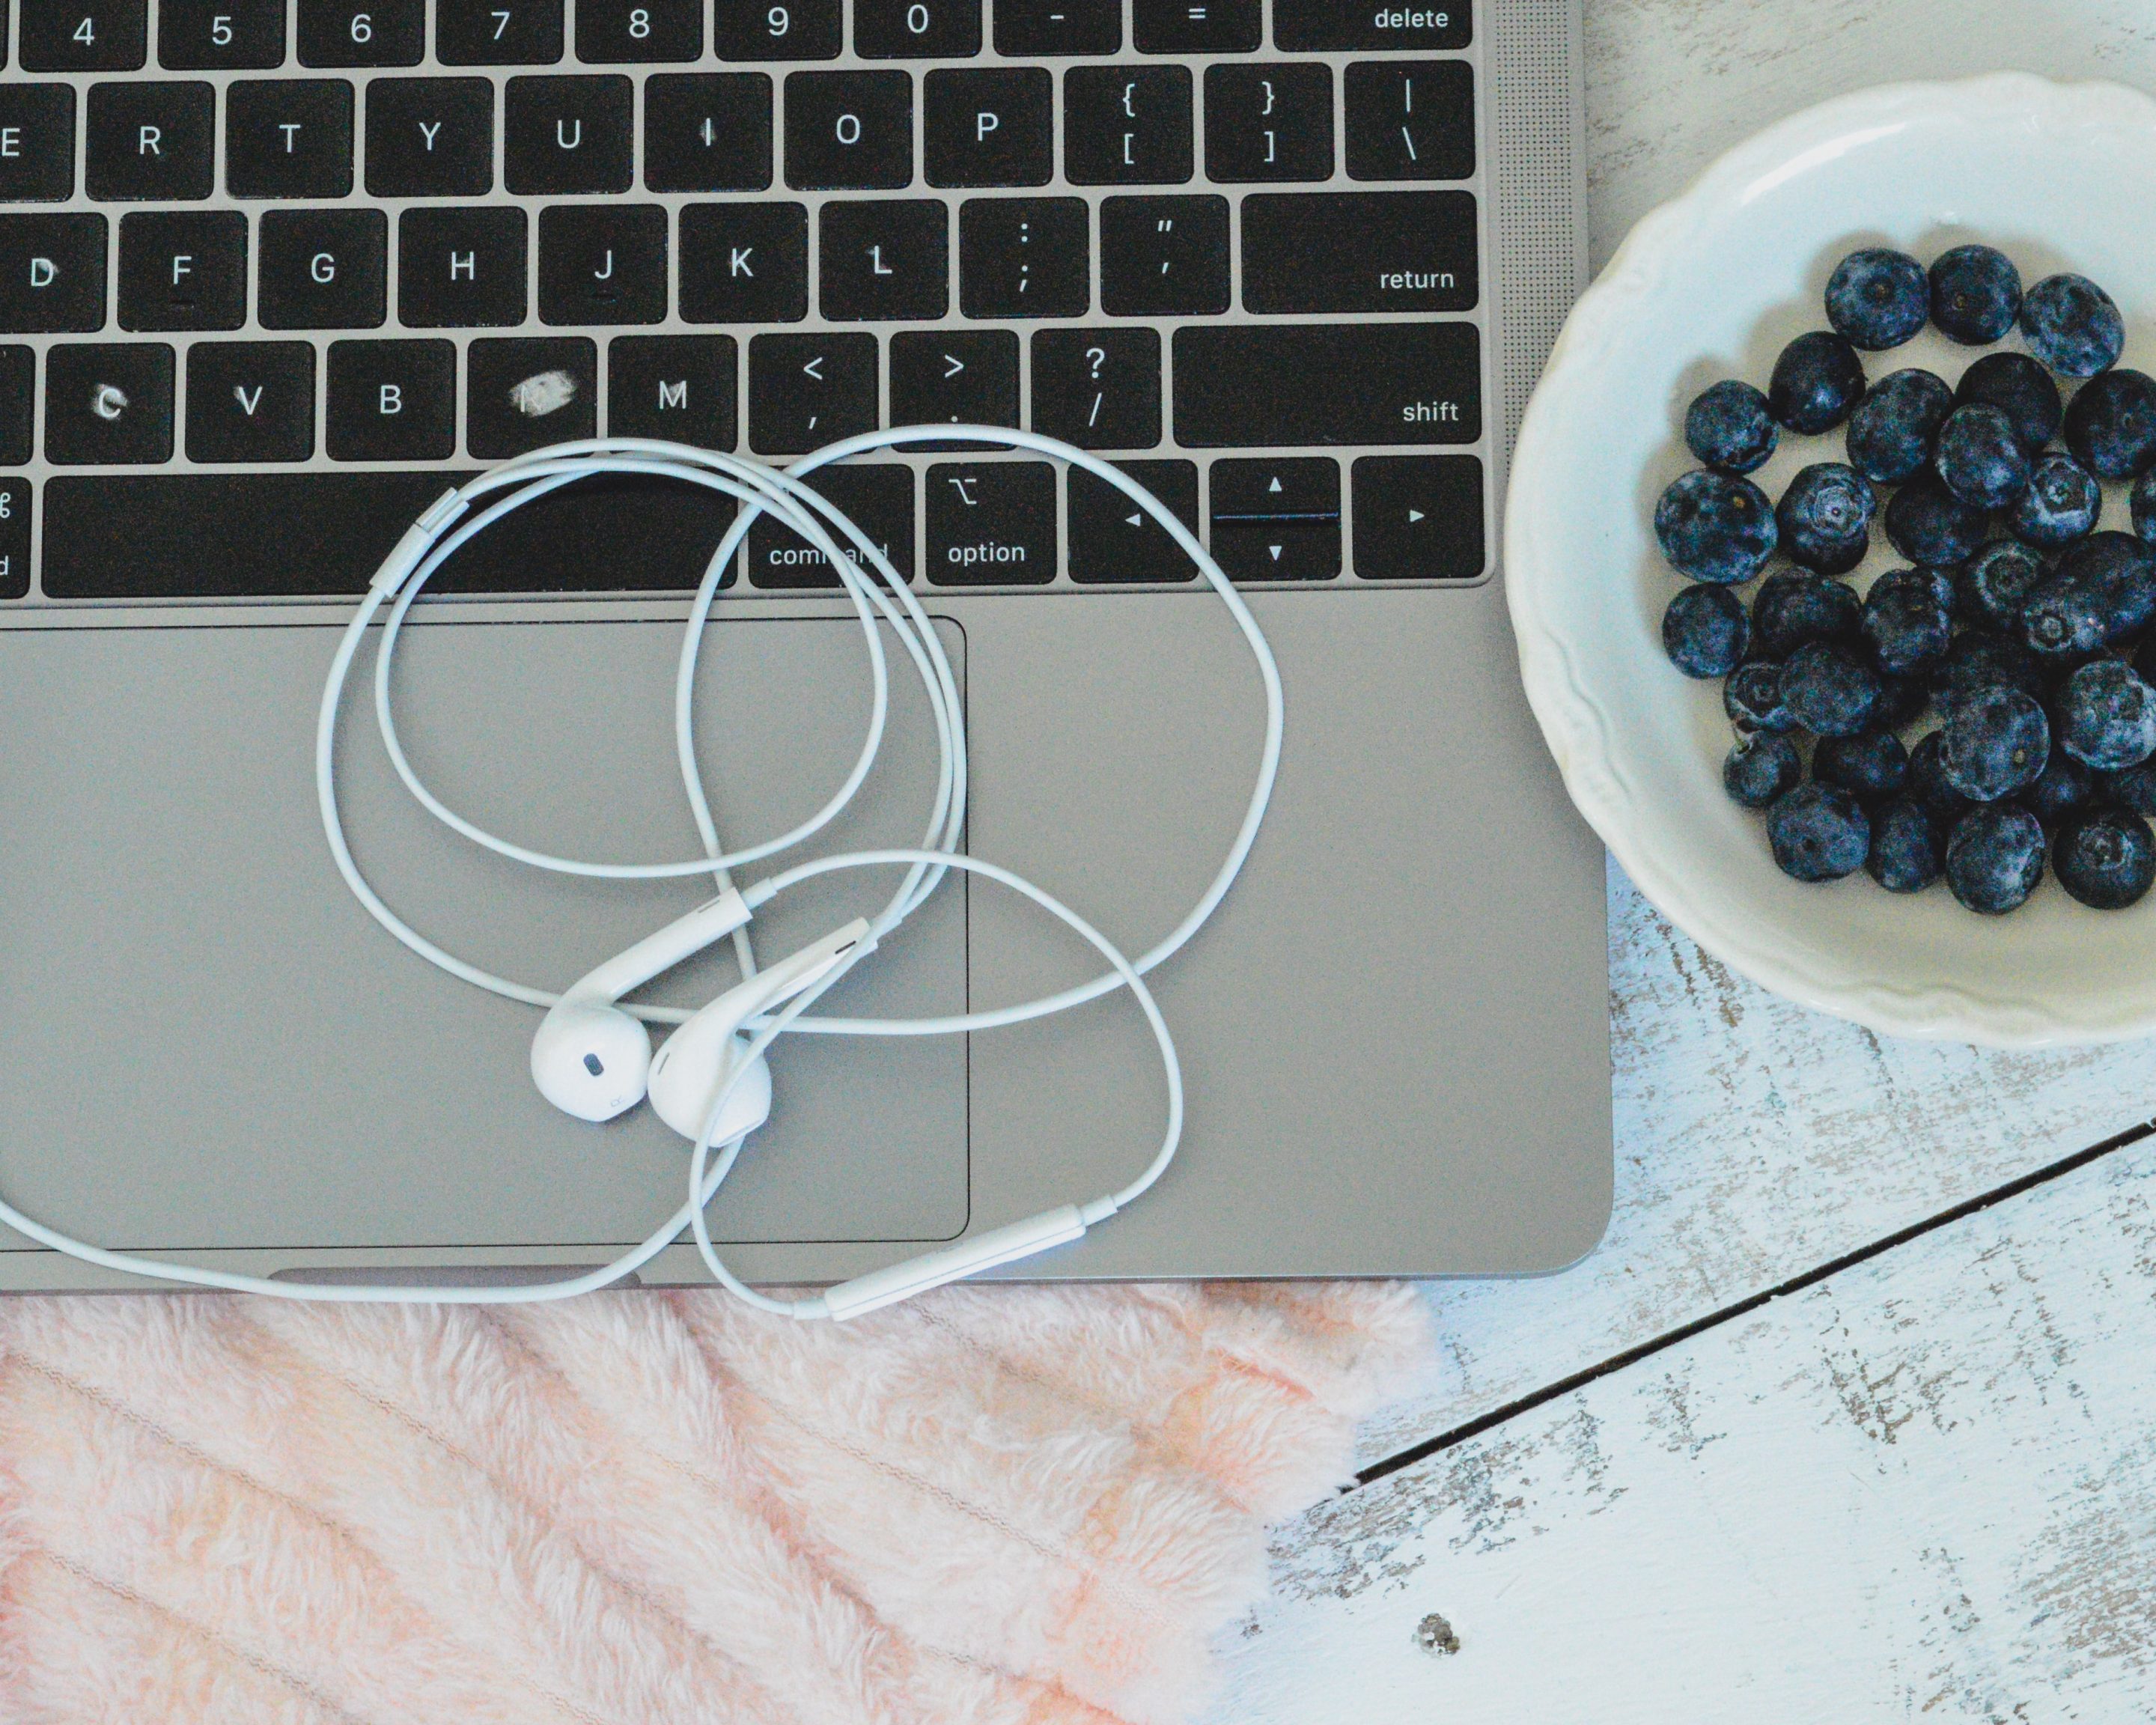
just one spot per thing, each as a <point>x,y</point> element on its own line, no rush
<point>1683,1332</point>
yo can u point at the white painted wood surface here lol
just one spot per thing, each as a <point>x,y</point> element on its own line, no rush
<point>1925,1487</point>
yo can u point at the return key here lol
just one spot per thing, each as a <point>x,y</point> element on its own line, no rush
<point>1359,251</point>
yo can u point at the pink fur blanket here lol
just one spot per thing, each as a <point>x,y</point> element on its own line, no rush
<point>993,1506</point>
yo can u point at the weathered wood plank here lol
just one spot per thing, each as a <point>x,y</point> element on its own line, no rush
<point>1754,1141</point>
<point>1924,1488</point>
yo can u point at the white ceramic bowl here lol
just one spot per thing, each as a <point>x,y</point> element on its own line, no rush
<point>1711,285</point>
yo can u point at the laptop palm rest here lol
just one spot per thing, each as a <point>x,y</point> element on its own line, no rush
<point>210,1043</point>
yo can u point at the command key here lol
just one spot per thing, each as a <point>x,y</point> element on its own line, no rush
<point>14,537</point>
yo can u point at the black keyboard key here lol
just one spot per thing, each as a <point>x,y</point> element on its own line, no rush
<point>991,524</point>
<point>1163,256</point>
<point>623,532</point>
<point>1285,384</point>
<point>1126,125</point>
<point>1359,251</point>
<point>37,143</point>
<point>84,35</point>
<point>393,401</point>
<point>429,138</point>
<point>777,30</point>
<point>744,263</point>
<point>1113,539</point>
<point>1410,120</point>
<point>1196,26</point>
<point>707,132</point>
<point>250,401</point>
<point>612,32</point>
<point>322,269</point>
<point>877,496</point>
<point>988,128</point>
<point>602,264</point>
<point>1323,26</point>
<point>807,390</point>
<point>1419,518</point>
<point>288,137</point>
<point>917,29</point>
<point>108,404</point>
<point>182,269</point>
<point>362,33</point>
<point>52,273</point>
<point>14,537</point>
<point>679,388</point>
<point>1277,520</point>
<point>850,130</point>
<point>220,35</point>
<point>524,391</point>
<point>1099,389</point>
<point>1269,122</point>
<point>887,258</point>
<point>18,373</point>
<point>954,377</point>
<point>567,135</point>
<point>461,269</point>
<point>1024,256</point>
<point>1035,29</point>
<point>150,141</point>
<point>498,32</point>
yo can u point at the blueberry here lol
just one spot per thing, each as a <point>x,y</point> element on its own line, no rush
<point>1993,586</point>
<point>1760,768</point>
<point>1795,605</point>
<point>2110,424</point>
<point>1994,741</point>
<point>2062,502</point>
<point>1979,459</point>
<point>1872,763</point>
<point>2103,591</point>
<point>1728,429</point>
<point>1891,431</point>
<point>1979,659</point>
<point>2071,325</point>
<point>2062,787</point>
<point>1975,292</point>
<point>1705,632</point>
<point>2132,787</point>
<point>1753,698</point>
<point>1994,858</point>
<point>1927,783</point>
<point>1817,380</point>
<point>1819,832</point>
<point>1908,619</point>
<point>1713,527</point>
<point>2141,504</point>
<point>1824,519</point>
<point>2107,860</point>
<point>2019,388</point>
<point>1877,298</point>
<point>2106,716</point>
<point>1902,701</point>
<point>1927,524</point>
<point>1827,691</point>
<point>1905,847</point>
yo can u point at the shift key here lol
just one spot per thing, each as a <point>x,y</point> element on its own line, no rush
<point>1259,386</point>
<point>1359,251</point>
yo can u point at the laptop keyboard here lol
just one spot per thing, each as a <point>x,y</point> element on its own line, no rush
<point>272,275</point>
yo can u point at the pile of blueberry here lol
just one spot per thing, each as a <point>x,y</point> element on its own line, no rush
<point>2026,630</point>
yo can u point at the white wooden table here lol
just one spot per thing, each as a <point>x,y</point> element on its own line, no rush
<point>1852,1416</point>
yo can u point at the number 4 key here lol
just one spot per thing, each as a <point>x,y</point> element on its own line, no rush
<point>84,35</point>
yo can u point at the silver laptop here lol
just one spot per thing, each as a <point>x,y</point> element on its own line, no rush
<point>274,272</point>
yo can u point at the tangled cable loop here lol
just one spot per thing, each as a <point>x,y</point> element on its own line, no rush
<point>880,598</point>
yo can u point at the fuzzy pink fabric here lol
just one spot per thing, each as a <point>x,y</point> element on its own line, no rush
<point>991,1506</point>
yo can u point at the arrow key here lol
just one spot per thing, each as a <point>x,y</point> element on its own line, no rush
<point>1419,518</point>
<point>1113,540</point>
<point>1277,520</point>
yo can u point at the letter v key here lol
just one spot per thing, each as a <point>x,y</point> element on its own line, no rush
<point>249,401</point>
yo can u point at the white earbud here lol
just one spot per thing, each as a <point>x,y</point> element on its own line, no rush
<point>590,1058</point>
<point>697,1058</point>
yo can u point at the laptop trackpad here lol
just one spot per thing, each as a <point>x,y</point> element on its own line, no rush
<point>210,1043</point>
